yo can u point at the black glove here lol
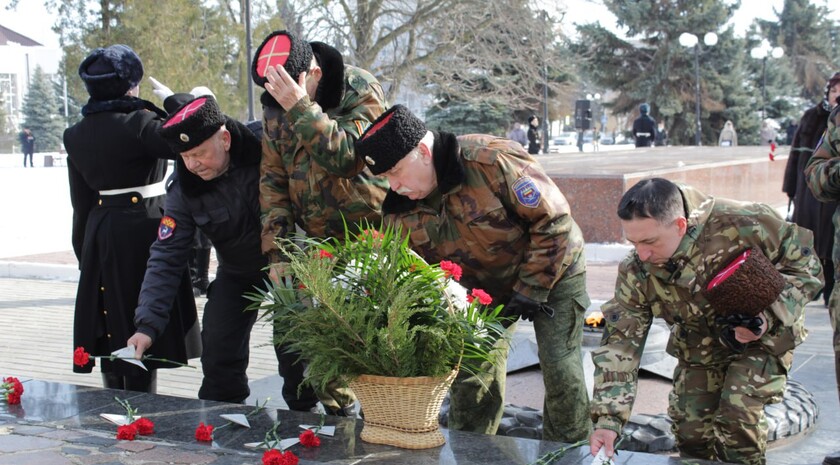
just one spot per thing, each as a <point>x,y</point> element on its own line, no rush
<point>727,334</point>
<point>527,308</point>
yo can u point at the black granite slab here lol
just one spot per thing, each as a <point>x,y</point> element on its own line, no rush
<point>76,407</point>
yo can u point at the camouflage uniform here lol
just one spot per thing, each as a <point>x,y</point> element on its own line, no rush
<point>822,175</point>
<point>501,218</point>
<point>310,176</point>
<point>718,399</point>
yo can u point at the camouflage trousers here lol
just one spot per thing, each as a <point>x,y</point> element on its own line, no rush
<point>718,411</point>
<point>559,339</point>
<point>834,314</point>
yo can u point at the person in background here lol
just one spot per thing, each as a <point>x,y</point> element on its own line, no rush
<point>644,127</point>
<point>822,176</point>
<point>809,212</point>
<point>27,145</point>
<point>314,108</point>
<point>767,132</point>
<point>117,187</point>
<point>517,134</point>
<point>730,365</point>
<point>485,204</point>
<point>728,137</point>
<point>534,139</point>
<point>661,135</point>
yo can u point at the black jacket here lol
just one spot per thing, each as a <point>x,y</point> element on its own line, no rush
<point>227,211</point>
<point>644,130</point>
<point>116,146</point>
<point>809,212</point>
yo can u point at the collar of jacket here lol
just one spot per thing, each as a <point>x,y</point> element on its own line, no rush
<point>245,150</point>
<point>331,87</point>
<point>449,169</point>
<point>124,104</point>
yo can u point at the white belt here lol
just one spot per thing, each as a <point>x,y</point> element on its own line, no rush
<point>151,190</point>
<point>643,134</point>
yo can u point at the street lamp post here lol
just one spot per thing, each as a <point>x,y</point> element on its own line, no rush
<point>763,52</point>
<point>690,40</point>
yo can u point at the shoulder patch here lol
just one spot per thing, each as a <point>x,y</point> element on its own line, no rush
<point>526,192</point>
<point>166,228</point>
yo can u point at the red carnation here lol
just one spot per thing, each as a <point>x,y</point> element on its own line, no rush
<point>324,254</point>
<point>13,389</point>
<point>309,439</point>
<point>483,297</point>
<point>127,432</point>
<point>276,457</point>
<point>451,269</point>
<point>144,426</point>
<point>80,357</point>
<point>373,233</point>
<point>204,432</point>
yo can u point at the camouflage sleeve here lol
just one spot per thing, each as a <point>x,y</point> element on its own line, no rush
<point>555,239</point>
<point>329,140</point>
<point>791,249</point>
<point>628,320</point>
<point>823,170</point>
<point>275,203</point>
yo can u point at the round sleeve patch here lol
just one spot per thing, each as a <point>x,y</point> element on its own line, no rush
<point>526,192</point>
<point>166,228</point>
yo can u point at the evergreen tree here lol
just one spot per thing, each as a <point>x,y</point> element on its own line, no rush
<point>651,65</point>
<point>469,118</point>
<point>806,33</point>
<point>39,113</point>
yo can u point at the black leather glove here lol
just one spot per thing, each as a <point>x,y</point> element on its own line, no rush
<point>727,334</point>
<point>527,308</point>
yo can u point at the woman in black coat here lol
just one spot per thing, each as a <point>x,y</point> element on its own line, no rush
<point>116,168</point>
<point>809,212</point>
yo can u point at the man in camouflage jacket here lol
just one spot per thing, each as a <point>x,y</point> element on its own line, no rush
<point>484,203</point>
<point>310,176</point>
<point>822,177</point>
<point>682,238</point>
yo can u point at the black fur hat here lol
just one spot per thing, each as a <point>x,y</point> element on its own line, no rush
<point>192,124</point>
<point>745,286</point>
<point>390,138</point>
<point>281,48</point>
<point>110,72</point>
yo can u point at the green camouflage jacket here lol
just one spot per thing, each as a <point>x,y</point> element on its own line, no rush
<point>310,175</point>
<point>823,176</point>
<point>718,230</point>
<point>500,217</point>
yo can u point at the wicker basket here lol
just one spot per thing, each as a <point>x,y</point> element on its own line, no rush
<point>402,412</point>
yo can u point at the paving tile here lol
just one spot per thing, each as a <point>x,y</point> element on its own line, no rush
<point>35,458</point>
<point>15,443</point>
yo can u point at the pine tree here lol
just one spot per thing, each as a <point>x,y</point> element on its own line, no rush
<point>39,113</point>
<point>651,66</point>
<point>804,30</point>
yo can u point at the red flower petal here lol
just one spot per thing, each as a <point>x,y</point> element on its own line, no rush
<point>126,432</point>
<point>309,439</point>
<point>144,426</point>
<point>80,357</point>
<point>204,432</point>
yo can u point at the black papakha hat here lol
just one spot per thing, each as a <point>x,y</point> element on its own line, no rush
<point>192,124</point>
<point>390,138</point>
<point>110,72</point>
<point>281,48</point>
<point>745,286</point>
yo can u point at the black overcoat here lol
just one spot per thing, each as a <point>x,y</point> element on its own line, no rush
<point>809,212</point>
<point>116,146</point>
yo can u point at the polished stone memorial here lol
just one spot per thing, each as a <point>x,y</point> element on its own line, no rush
<point>64,419</point>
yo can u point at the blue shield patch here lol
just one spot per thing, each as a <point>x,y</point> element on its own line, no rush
<point>166,228</point>
<point>526,192</point>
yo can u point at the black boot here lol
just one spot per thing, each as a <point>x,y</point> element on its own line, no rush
<point>144,382</point>
<point>113,381</point>
<point>200,279</point>
<point>832,459</point>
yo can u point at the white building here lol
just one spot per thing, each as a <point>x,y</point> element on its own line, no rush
<point>19,56</point>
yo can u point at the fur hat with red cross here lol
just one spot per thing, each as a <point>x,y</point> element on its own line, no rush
<point>192,124</point>
<point>281,48</point>
<point>390,138</point>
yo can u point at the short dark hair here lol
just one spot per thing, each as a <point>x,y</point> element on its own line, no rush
<point>656,198</point>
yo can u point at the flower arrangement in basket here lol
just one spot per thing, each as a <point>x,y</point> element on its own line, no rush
<point>369,312</point>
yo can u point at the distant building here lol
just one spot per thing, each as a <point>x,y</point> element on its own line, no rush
<point>19,55</point>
